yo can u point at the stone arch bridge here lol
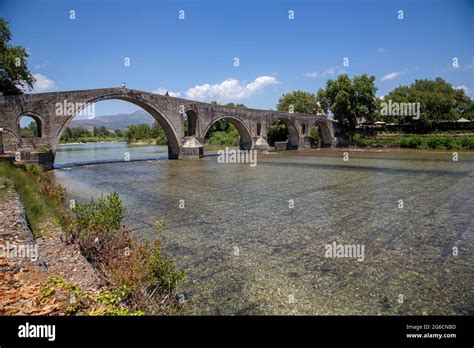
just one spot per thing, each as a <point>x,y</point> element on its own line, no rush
<point>54,111</point>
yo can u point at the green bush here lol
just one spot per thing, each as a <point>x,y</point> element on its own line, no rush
<point>161,270</point>
<point>225,138</point>
<point>467,143</point>
<point>104,215</point>
<point>436,143</point>
<point>360,140</point>
<point>412,142</point>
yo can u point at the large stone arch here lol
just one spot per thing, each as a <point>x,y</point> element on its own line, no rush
<point>148,106</point>
<point>244,131</point>
<point>294,136</point>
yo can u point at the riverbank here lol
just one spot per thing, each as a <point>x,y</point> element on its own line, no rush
<point>28,265</point>
<point>450,141</point>
<point>81,262</point>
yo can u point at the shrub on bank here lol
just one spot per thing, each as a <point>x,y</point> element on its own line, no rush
<point>411,142</point>
<point>467,143</point>
<point>121,260</point>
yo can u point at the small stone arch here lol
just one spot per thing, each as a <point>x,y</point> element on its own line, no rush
<point>259,129</point>
<point>244,132</point>
<point>36,117</point>
<point>325,133</point>
<point>193,119</point>
<point>304,128</point>
<point>293,137</point>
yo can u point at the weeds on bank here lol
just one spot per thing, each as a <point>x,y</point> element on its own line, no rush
<point>124,263</point>
<point>82,302</point>
<point>42,200</point>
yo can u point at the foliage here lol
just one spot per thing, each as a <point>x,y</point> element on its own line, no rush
<point>230,138</point>
<point>223,132</point>
<point>414,142</point>
<point>314,133</point>
<point>148,277</point>
<point>277,132</point>
<point>86,302</point>
<point>140,132</point>
<point>41,198</point>
<point>30,131</point>
<point>101,131</point>
<point>103,215</point>
<point>302,102</point>
<point>349,100</point>
<point>14,73</point>
<point>232,105</point>
<point>438,100</point>
<point>74,134</point>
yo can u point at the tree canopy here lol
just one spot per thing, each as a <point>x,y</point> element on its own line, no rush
<point>14,73</point>
<point>302,102</point>
<point>438,100</point>
<point>349,100</point>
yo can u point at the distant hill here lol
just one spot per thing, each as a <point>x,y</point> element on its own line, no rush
<point>119,121</point>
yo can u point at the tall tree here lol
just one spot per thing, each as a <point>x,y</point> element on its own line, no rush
<point>438,100</point>
<point>298,101</point>
<point>349,100</point>
<point>14,73</point>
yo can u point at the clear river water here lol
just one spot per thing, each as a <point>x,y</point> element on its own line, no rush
<point>253,240</point>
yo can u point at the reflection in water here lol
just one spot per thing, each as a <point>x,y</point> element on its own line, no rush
<point>281,251</point>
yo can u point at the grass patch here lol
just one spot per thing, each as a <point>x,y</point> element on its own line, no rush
<point>414,141</point>
<point>41,199</point>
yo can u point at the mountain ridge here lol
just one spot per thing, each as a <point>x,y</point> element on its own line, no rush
<point>112,122</point>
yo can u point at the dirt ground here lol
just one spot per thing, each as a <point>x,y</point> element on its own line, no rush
<point>27,266</point>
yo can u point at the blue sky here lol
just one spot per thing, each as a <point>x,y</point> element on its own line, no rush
<point>195,56</point>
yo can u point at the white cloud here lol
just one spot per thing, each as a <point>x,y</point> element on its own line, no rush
<point>230,89</point>
<point>42,84</point>
<point>312,74</point>
<point>332,71</point>
<point>466,89</point>
<point>391,76</point>
<point>42,65</point>
<point>380,50</point>
<point>162,91</point>
<point>328,72</point>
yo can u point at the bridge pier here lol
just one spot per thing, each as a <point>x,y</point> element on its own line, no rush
<point>191,149</point>
<point>261,145</point>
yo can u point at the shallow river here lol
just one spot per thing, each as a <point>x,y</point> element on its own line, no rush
<point>248,250</point>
